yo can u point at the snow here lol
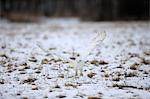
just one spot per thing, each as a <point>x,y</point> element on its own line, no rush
<point>125,74</point>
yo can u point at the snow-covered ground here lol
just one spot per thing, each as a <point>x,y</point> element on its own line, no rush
<point>35,60</point>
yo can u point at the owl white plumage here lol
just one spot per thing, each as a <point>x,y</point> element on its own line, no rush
<point>95,42</point>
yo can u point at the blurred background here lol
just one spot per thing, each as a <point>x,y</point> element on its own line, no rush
<point>87,10</point>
